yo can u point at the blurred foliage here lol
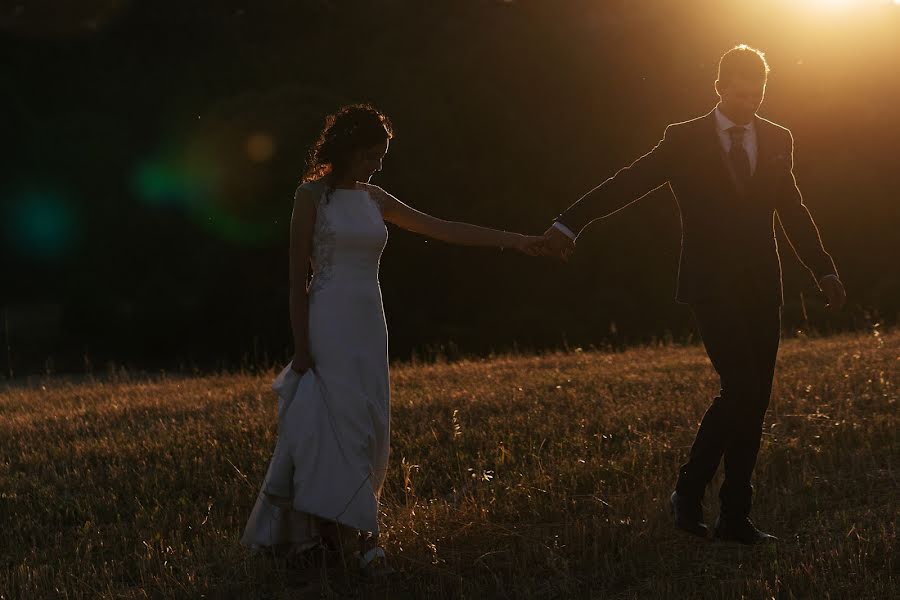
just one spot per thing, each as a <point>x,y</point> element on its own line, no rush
<point>176,132</point>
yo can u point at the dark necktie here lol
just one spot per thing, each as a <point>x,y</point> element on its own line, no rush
<point>740,162</point>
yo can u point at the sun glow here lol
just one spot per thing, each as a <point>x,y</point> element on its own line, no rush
<point>840,9</point>
<point>842,5</point>
<point>835,4</point>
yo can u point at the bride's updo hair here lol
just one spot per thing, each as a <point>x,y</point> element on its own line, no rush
<point>352,128</point>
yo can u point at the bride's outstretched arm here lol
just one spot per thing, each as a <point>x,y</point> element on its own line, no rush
<point>453,232</point>
<point>303,220</point>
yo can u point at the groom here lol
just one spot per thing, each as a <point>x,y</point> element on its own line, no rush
<point>731,172</point>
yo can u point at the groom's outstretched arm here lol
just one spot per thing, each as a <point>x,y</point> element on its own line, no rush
<point>798,223</point>
<point>628,185</point>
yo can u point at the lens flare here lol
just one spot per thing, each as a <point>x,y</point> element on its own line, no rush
<point>176,180</point>
<point>158,183</point>
<point>194,183</point>
<point>231,166</point>
<point>260,147</point>
<point>41,224</point>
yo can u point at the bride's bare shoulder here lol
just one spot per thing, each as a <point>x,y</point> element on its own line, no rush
<point>310,190</point>
<point>381,196</point>
<point>372,188</point>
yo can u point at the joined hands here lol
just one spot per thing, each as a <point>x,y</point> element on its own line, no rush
<point>557,244</point>
<point>553,243</point>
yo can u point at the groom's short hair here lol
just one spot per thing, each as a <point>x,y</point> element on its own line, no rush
<point>743,61</point>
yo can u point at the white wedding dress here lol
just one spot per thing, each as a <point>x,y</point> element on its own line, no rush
<point>331,454</point>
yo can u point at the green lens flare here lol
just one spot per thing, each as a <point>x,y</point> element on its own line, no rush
<point>41,224</point>
<point>196,186</point>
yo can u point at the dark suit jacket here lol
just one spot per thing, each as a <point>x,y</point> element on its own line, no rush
<point>728,245</point>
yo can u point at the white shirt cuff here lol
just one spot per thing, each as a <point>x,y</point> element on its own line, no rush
<point>564,229</point>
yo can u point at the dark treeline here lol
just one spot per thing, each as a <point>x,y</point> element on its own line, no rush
<point>151,150</point>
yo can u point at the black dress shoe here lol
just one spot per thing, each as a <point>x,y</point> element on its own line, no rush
<point>688,515</point>
<point>742,531</point>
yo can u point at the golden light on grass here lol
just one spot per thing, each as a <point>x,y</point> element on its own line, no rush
<point>517,477</point>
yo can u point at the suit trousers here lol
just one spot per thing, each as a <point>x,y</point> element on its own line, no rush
<point>741,339</point>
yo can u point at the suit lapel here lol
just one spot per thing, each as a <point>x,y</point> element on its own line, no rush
<point>765,148</point>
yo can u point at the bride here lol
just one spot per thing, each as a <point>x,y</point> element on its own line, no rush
<point>325,476</point>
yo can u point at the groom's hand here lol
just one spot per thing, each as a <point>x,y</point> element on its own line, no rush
<point>834,291</point>
<point>557,244</point>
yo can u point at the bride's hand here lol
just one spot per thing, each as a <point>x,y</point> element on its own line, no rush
<point>302,363</point>
<point>532,245</point>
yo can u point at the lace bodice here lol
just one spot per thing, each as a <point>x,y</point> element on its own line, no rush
<point>348,237</point>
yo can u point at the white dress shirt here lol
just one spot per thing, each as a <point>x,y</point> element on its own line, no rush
<point>723,124</point>
<point>564,229</point>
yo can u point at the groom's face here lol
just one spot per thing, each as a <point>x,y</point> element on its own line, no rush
<point>741,98</point>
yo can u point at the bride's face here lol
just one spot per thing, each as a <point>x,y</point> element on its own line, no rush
<point>369,161</point>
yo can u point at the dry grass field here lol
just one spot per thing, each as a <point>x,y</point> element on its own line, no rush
<point>515,477</point>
